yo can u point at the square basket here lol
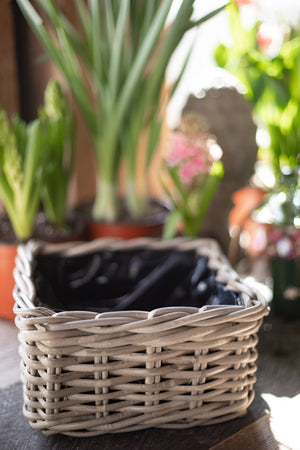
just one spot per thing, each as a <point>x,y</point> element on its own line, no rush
<point>87,373</point>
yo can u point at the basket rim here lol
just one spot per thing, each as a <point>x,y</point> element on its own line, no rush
<point>24,291</point>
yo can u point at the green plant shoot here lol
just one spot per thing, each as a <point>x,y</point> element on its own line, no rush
<point>58,126</point>
<point>115,65</point>
<point>194,166</point>
<point>21,155</point>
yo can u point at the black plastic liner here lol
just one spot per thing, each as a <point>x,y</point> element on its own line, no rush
<point>143,279</point>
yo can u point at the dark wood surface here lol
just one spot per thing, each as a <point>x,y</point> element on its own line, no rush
<point>278,378</point>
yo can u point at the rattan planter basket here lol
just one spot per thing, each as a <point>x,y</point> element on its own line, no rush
<point>88,373</point>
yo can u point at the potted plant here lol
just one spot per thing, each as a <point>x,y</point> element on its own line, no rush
<point>35,167</point>
<point>281,215</point>
<point>194,167</point>
<point>57,120</point>
<point>115,66</point>
<point>266,58</point>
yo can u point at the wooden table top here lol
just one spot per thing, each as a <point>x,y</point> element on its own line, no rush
<point>272,422</point>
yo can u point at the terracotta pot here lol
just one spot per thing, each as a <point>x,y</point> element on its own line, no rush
<point>7,263</point>
<point>240,220</point>
<point>96,230</point>
<point>150,226</point>
<point>245,201</point>
<point>8,253</point>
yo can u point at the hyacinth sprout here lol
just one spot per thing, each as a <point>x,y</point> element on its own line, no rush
<point>193,163</point>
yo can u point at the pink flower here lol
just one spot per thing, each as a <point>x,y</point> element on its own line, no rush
<point>198,163</point>
<point>269,38</point>
<point>187,172</point>
<point>240,3</point>
<point>192,151</point>
<point>193,167</point>
<point>178,150</point>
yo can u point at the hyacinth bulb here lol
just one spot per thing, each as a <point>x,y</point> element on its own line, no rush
<point>55,101</point>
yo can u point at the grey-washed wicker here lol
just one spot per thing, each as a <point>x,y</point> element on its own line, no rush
<point>86,374</point>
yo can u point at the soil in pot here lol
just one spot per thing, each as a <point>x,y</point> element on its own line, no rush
<point>127,228</point>
<point>8,250</point>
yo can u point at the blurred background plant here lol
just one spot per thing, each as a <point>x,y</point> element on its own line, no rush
<point>115,66</point>
<point>193,164</point>
<point>58,124</point>
<point>21,156</point>
<point>265,57</point>
<point>36,163</point>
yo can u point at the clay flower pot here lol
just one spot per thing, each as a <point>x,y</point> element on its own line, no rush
<point>8,250</point>
<point>123,230</point>
<point>7,263</point>
<point>151,226</point>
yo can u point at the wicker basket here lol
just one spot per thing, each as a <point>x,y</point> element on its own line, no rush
<point>86,373</point>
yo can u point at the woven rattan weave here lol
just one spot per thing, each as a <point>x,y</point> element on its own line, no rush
<point>86,374</point>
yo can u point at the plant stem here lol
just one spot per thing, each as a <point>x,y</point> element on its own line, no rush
<point>22,225</point>
<point>194,222</point>
<point>137,205</point>
<point>106,205</point>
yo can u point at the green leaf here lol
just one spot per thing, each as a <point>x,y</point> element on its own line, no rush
<point>171,224</point>
<point>33,157</point>
<point>58,153</point>
<point>58,19</point>
<point>183,69</point>
<point>19,129</point>
<point>124,51</point>
<point>117,48</point>
<point>142,58</point>
<point>30,13</point>
<point>208,190</point>
<point>153,139</point>
<point>208,16</point>
<point>173,171</point>
<point>96,36</point>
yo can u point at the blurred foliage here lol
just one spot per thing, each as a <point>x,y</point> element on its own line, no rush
<point>36,162</point>
<point>115,63</point>
<point>266,59</point>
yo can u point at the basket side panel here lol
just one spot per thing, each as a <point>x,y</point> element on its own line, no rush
<point>95,382</point>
